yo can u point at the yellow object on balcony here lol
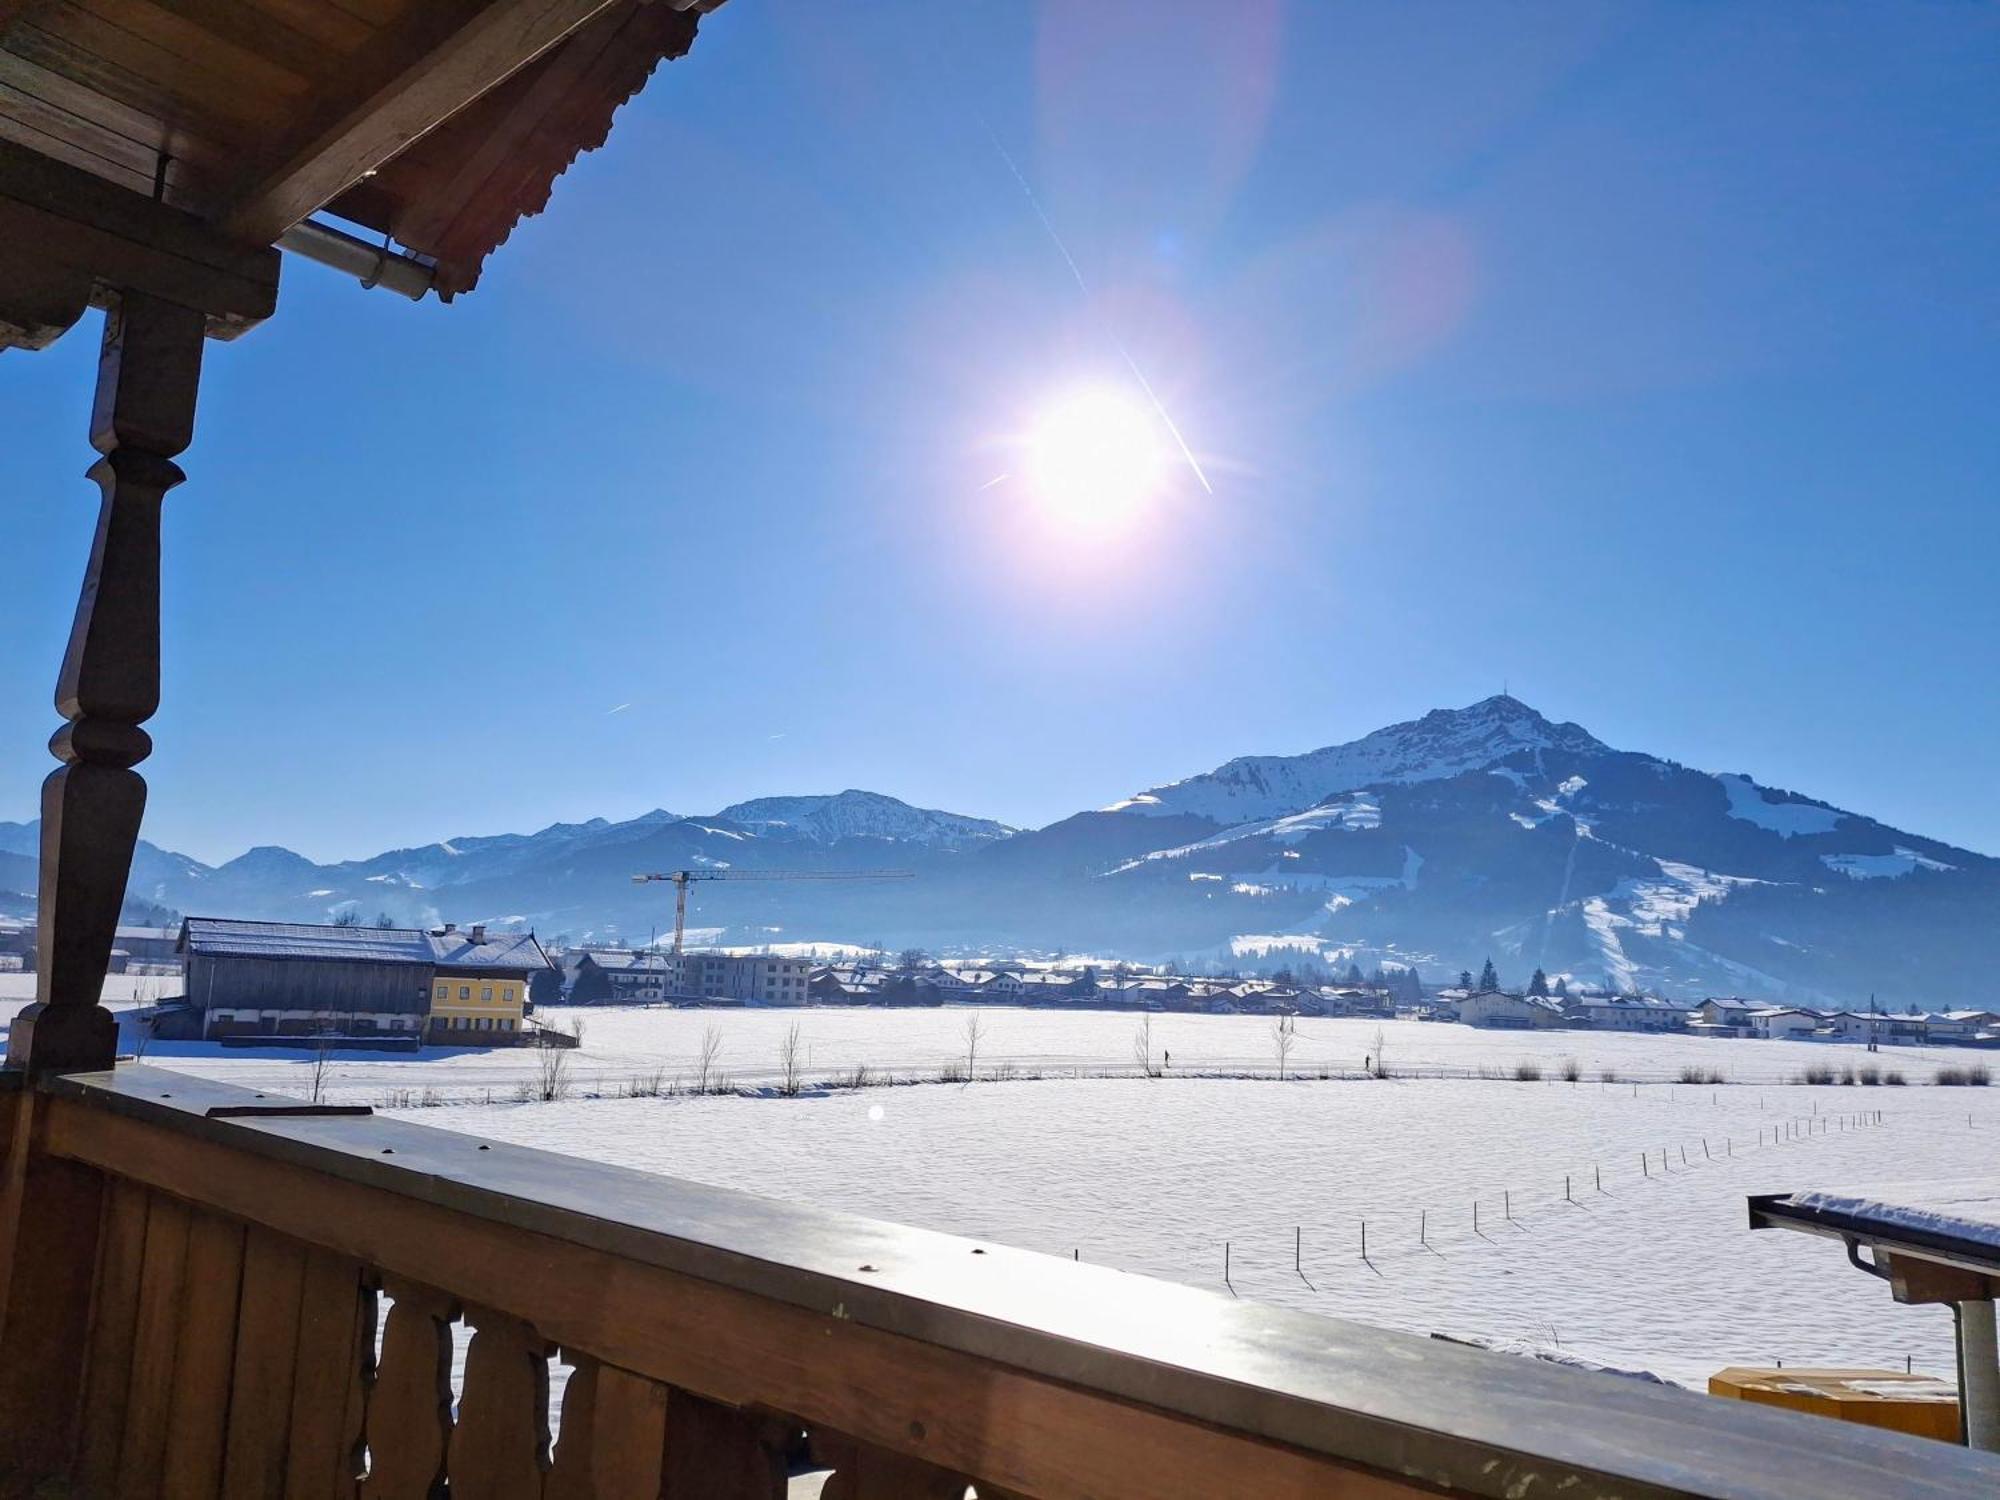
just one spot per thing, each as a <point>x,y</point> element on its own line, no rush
<point>1921,1405</point>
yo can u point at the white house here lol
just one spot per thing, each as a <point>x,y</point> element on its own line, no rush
<point>1628,1013</point>
<point>1726,1014</point>
<point>1492,1008</point>
<point>1781,1023</point>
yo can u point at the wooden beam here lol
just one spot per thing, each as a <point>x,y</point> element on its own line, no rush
<point>435,84</point>
<point>71,224</point>
<point>1913,1279</point>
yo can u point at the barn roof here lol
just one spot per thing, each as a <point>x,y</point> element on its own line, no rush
<point>228,936</point>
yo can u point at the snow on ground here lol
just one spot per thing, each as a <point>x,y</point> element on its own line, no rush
<point>1881,866</point>
<point>1656,1272</point>
<point>1785,816</point>
<point>622,1045</point>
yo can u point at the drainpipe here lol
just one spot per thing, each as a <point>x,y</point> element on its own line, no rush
<point>372,265</point>
<point>1978,1376</point>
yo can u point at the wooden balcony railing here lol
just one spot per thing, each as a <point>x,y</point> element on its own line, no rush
<point>194,1277</point>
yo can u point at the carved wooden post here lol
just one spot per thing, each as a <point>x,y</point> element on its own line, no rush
<point>110,683</point>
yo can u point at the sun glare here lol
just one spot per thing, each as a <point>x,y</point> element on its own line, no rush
<point>1095,459</point>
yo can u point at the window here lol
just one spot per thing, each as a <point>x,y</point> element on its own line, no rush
<point>444,991</point>
<point>507,993</point>
<point>507,1025</point>
<point>486,992</point>
<point>465,992</point>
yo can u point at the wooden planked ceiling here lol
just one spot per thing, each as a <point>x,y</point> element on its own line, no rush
<point>447,119</point>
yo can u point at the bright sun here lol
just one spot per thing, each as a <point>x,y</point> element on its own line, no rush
<point>1095,459</point>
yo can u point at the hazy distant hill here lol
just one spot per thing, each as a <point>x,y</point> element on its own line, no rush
<point>1468,832</point>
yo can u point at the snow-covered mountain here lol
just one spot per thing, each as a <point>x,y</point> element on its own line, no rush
<point>863,815</point>
<point>1443,743</point>
<point>1482,831</point>
<point>1491,830</point>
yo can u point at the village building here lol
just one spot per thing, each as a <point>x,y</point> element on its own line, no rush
<point>1964,1026</point>
<point>1785,1023</point>
<point>618,976</point>
<point>1626,1013</point>
<point>1724,1015</point>
<point>742,979</point>
<point>278,982</point>
<point>1501,1011</point>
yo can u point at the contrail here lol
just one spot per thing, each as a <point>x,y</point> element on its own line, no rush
<point>1076,272</point>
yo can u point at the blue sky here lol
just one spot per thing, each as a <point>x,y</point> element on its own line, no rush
<point>1641,357</point>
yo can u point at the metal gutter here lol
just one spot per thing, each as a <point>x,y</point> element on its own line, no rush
<point>371,265</point>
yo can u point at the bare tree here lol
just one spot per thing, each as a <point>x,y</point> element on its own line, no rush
<point>791,1054</point>
<point>704,1068</point>
<point>975,1028</point>
<point>1283,1035</point>
<point>1142,1045</point>
<point>1378,1060</point>
<point>551,1067</point>
<point>348,918</point>
<point>322,1055</point>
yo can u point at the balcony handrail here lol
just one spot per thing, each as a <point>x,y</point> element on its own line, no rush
<point>1053,1377</point>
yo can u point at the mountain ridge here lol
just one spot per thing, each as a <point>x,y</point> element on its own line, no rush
<point>1436,842</point>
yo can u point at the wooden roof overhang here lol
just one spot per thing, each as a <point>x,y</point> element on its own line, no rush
<point>163,146</point>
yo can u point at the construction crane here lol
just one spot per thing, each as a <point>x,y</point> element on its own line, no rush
<point>683,878</point>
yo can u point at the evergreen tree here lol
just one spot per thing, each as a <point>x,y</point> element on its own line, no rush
<point>1562,988</point>
<point>1465,979</point>
<point>545,987</point>
<point>1354,974</point>
<point>1539,985</point>
<point>1489,977</point>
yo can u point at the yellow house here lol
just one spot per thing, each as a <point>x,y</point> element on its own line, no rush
<point>479,985</point>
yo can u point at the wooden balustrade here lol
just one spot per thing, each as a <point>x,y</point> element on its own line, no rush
<point>270,1302</point>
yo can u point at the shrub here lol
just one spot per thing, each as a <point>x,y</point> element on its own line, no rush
<point>1978,1076</point>
<point>1871,1075</point>
<point>1693,1074</point>
<point>1895,1078</point>
<point>1959,1077</point>
<point>1527,1072</point>
<point>1571,1070</point>
<point>1607,1075</point>
<point>1847,1075</point>
<point>1818,1073</point>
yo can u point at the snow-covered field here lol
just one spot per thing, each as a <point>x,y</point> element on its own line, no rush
<point>1656,1271</point>
<point>626,1045</point>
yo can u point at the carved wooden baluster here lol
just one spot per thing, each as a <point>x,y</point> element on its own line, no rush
<point>719,1452</point>
<point>409,1410</point>
<point>110,683</point>
<point>501,1448</point>
<point>864,1473</point>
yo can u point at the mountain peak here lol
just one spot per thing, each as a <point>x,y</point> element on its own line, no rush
<point>830,816</point>
<point>1445,742</point>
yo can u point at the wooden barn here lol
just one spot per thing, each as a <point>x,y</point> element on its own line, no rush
<point>283,981</point>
